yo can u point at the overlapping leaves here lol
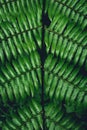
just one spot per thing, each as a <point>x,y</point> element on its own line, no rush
<point>65,65</point>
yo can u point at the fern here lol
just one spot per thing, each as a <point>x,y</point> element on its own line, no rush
<point>58,119</point>
<point>25,117</point>
<point>43,64</point>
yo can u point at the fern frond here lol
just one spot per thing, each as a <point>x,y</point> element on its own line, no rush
<point>43,64</point>
<point>25,117</point>
<point>13,82</point>
<point>75,10</point>
<point>65,83</point>
<point>69,44</point>
<point>58,119</point>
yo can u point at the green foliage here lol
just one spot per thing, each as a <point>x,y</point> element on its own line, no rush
<point>57,119</point>
<point>25,117</point>
<point>48,93</point>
